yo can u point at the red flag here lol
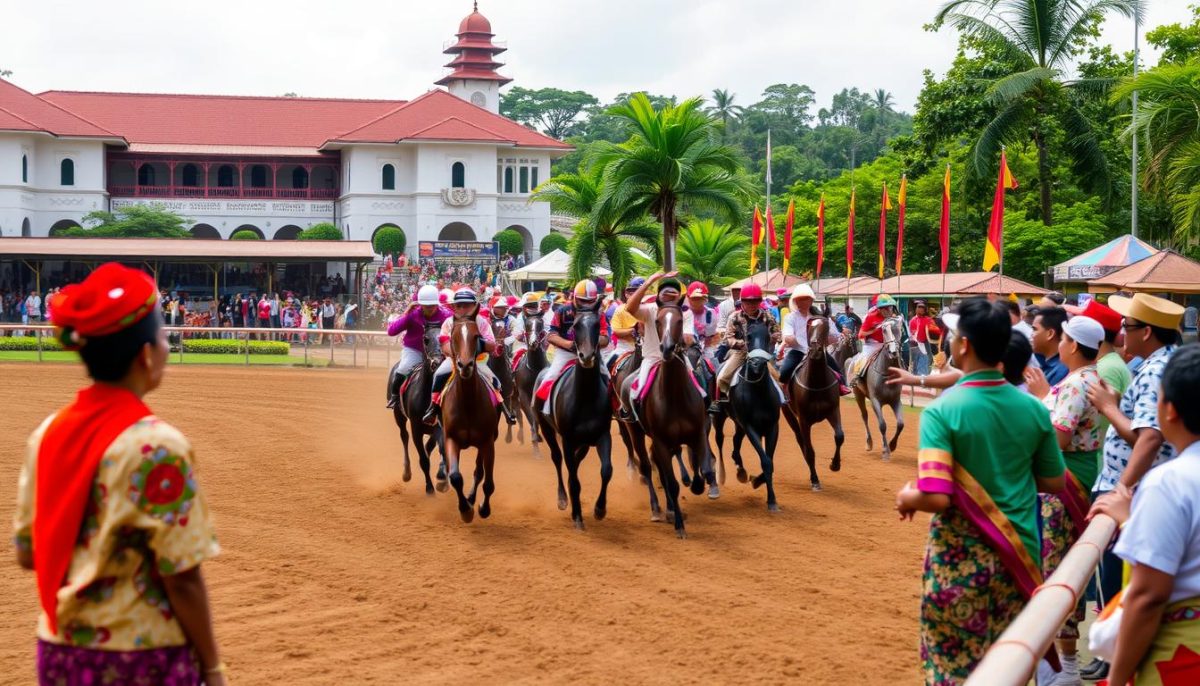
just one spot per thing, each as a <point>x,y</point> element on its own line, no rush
<point>995,240</point>
<point>885,205</point>
<point>787,235</point>
<point>902,200</point>
<point>944,232</point>
<point>850,238</point>
<point>771,230</point>
<point>820,235</point>
<point>755,240</point>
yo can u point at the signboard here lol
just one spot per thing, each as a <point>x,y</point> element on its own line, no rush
<point>1082,272</point>
<point>466,252</point>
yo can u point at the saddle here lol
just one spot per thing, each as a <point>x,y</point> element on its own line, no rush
<point>493,392</point>
<point>638,394</point>
<point>862,364</point>
<point>758,354</point>
<point>517,357</point>
<point>547,387</point>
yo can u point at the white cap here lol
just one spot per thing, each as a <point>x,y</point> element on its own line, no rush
<point>428,295</point>
<point>803,290</point>
<point>1085,331</point>
<point>950,319</point>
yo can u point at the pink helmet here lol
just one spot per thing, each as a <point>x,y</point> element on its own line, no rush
<point>751,291</point>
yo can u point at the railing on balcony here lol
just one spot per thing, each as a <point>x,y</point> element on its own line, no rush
<point>141,175</point>
<point>126,191</point>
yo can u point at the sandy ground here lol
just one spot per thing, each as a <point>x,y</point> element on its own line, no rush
<point>336,572</point>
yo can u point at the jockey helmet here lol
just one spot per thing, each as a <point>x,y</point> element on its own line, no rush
<point>511,300</point>
<point>635,283</point>
<point>529,299</point>
<point>884,300</point>
<point>670,284</point>
<point>586,292</point>
<point>751,291</point>
<point>465,296</point>
<point>697,289</point>
<point>446,295</point>
<point>428,295</point>
<point>499,302</point>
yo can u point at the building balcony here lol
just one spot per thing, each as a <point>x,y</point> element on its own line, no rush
<point>133,175</point>
<point>135,191</point>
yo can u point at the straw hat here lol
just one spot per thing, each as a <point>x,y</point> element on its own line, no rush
<point>1150,309</point>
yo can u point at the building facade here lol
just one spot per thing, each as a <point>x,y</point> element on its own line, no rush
<point>442,166</point>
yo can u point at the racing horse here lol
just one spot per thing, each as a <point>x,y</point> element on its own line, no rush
<point>626,368</point>
<point>580,414</point>
<point>708,381</point>
<point>873,385</point>
<point>408,409</point>
<point>469,419</point>
<point>814,397</point>
<point>674,416</point>
<point>532,364</point>
<point>754,404</point>
<point>501,366</point>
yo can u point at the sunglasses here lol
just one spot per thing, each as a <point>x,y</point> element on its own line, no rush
<point>751,300</point>
<point>1130,327</point>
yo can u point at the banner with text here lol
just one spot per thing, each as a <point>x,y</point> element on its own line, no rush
<point>465,252</point>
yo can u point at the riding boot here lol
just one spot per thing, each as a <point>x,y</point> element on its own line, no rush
<point>719,406</point>
<point>391,405</point>
<point>509,415</point>
<point>432,414</point>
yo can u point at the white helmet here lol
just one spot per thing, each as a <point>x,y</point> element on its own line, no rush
<point>428,295</point>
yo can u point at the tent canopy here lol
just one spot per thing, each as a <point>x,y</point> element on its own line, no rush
<point>930,285</point>
<point>1097,262</point>
<point>1164,272</point>
<point>553,266</point>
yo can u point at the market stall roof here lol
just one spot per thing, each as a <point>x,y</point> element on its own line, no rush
<point>553,266</point>
<point>183,250</point>
<point>1164,272</point>
<point>1097,262</point>
<point>930,285</point>
<point>772,279</point>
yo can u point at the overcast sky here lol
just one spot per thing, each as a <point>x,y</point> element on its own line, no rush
<point>392,49</point>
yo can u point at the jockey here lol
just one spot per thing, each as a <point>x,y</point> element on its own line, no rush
<point>646,314</point>
<point>412,323</point>
<point>871,333</point>
<point>735,337</point>
<point>465,302</point>
<point>528,308</point>
<point>795,336</point>
<point>705,319</point>
<point>624,326</point>
<point>500,305</point>
<point>562,338</point>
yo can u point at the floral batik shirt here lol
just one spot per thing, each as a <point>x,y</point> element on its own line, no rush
<point>145,519</point>
<point>1140,404</point>
<point>1071,411</point>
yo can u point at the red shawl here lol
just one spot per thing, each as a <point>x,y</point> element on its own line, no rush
<point>67,460</point>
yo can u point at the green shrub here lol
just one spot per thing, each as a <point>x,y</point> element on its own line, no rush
<point>245,235</point>
<point>320,232</point>
<point>511,242</point>
<point>223,346</point>
<point>552,242</point>
<point>29,343</point>
<point>389,241</point>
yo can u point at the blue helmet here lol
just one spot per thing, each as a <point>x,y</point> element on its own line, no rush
<point>636,282</point>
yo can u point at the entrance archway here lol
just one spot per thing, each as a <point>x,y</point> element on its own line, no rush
<point>526,239</point>
<point>26,231</point>
<point>456,231</point>
<point>249,227</point>
<point>287,233</point>
<point>62,225</point>
<point>205,231</point>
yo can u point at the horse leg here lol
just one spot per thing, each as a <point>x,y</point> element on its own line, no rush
<point>604,450</point>
<point>531,414</point>
<point>487,457</point>
<point>860,398</point>
<point>898,411</point>
<point>506,403</point>
<point>423,452</point>
<point>684,475</point>
<point>575,455</point>
<point>520,421</point>
<point>631,464</point>
<point>839,437</point>
<point>556,456</point>
<point>766,454</point>
<point>718,425</point>
<point>664,461</point>
<point>886,453</point>
<point>401,421</point>
<point>465,510</point>
<point>644,466</point>
<point>810,454</point>
<point>736,454</point>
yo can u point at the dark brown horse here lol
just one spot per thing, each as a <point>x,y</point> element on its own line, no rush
<point>532,364</point>
<point>625,370</point>
<point>814,398</point>
<point>501,366</point>
<point>674,416</point>
<point>845,349</point>
<point>469,419</point>
<point>874,386</point>
<point>409,409</point>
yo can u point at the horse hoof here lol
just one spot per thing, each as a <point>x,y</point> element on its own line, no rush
<point>468,515</point>
<point>886,457</point>
<point>485,510</point>
<point>697,487</point>
<point>562,503</point>
<point>835,466</point>
<point>714,493</point>
<point>817,488</point>
<point>578,524</point>
<point>686,480</point>
<point>508,438</point>
<point>600,514</point>
<point>429,490</point>
<point>681,534</point>
<point>773,507</point>
<point>407,475</point>
<point>657,517</point>
<point>443,486</point>
<point>759,481</point>
<point>742,476</point>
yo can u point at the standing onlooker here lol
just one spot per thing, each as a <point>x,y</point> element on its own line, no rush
<point>264,315</point>
<point>919,329</point>
<point>1047,334</point>
<point>1159,634</point>
<point>328,315</point>
<point>237,311</point>
<point>986,450</point>
<point>33,309</point>
<point>275,318</point>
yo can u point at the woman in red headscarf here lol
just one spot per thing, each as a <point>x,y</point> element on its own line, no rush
<point>109,514</point>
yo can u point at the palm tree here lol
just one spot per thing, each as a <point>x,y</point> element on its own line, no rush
<point>672,164</point>
<point>1040,39</point>
<point>883,101</point>
<point>600,235</point>
<point>1168,119</point>
<point>724,109</point>
<point>711,253</point>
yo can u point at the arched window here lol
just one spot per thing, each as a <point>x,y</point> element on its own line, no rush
<point>258,176</point>
<point>225,176</point>
<point>389,177</point>
<point>299,177</point>
<point>190,176</point>
<point>458,175</point>
<point>508,180</point>
<point>24,168</point>
<point>524,179</point>
<point>146,176</point>
<point>66,172</point>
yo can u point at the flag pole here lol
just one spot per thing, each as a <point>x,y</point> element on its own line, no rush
<point>770,229</point>
<point>1003,149</point>
<point>1132,127</point>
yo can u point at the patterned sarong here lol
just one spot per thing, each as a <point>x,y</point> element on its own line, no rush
<point>1174,656</point>
<point>1058,535</point>
<point>62,665</point>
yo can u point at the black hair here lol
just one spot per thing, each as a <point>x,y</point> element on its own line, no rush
<point>1016,358</point>
<point>1165,336</point>
<point>1110,337</point>
<point>1014,307</point>
<point>1056,297</point>
<point>1180,380</point>
<point>1053,318</point>
<point>1089,354</point>
<point>987,326</point>
<point>109,358</point>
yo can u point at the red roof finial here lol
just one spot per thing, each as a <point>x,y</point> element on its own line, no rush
<point>475,51</point>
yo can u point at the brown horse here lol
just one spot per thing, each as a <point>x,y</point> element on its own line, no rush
<point>623,371</point>
<point>674,416</point>
<point>408,409</point>
<point>501,366</point>
<point>874,386</point>
<point>814,398</point>
<point>532,364</point>
<point>469,420</point>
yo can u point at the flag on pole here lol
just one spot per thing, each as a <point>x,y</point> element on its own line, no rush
<point>768,161</point>
<point>885,205</point>
<point>787,235</point>
<point>850,238</point>
<point>902,199</point>
<point>755,240</point>
<point>944,231</point>
<point>995,239</point>
<point>820,235</point>
<point>771,230</point>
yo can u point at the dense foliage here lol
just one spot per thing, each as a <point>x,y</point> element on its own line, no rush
<point>389,240</point>
<point>323,231</point>
<point>245,235</point>
<point>131,221</point>
<point>552,242</point>
<point>510,242</point>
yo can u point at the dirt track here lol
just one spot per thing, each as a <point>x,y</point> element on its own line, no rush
<point>336,572</point>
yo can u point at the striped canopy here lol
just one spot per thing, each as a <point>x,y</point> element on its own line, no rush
<point>1119,252</point>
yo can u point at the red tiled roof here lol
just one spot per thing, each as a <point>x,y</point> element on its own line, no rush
<point>1165,271</point>
<point>21,110</point>
<point>438,115</point>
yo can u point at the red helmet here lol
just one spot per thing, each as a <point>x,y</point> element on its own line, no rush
<point>751,291</point>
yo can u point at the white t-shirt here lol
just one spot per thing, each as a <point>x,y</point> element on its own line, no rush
<point>796,325</point>
<point>725,309</point>
<point>328,310</point>
<point>651,346</point>
<point>1163,531</point>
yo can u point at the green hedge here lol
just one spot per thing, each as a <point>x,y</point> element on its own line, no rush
<point>225,346</point>
<point>552,242</point>
<point>28,343</point>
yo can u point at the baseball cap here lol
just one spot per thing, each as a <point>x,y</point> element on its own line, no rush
<point>1085,331</point>
<point>1109,318</point>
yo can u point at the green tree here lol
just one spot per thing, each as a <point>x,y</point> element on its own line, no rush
<point>711,253</point>
<point>131,221</point>
<point>510,242</point>
<point>882,100</point>
<point>1041,38</point>
<point>323,231</point>
<point>723,108</point>
<point>1179,43</point>
<point>245,235</point>
<point>389,240</point>
<point>555,110</point>
<point>552,242</point>
<point>673,163</point>
<point>1030,247</point>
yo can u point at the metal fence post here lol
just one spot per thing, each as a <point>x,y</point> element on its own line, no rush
<point>39,344</point>
<point>330,350</point>
<point>304,338</point>
<point>247,333</point>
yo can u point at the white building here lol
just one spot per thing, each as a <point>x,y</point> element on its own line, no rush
<point>442,166</point>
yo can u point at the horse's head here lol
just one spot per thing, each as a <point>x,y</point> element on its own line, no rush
<point>891,335</point>
<point>586,332</point>
<point>758,335</point>
<point>464,345</point>
<point>432,345</point>
<point>818,333</point>
<point>669,324</point>
<point>534,330</point>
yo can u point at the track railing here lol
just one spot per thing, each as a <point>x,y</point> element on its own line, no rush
<point>1013,658</point>
<point>342,347</point>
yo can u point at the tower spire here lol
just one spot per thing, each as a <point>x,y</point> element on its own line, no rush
<point>474,76</point>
